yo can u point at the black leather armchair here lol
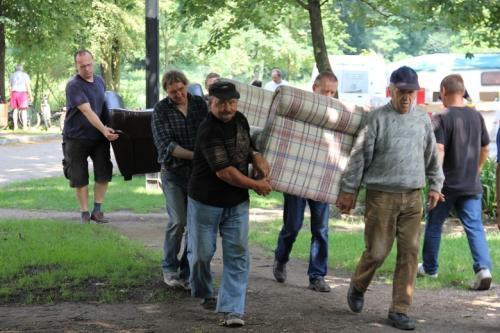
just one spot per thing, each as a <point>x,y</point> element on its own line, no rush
<point>134,150</point>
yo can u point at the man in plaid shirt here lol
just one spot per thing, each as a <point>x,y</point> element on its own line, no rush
<point>174,124</point>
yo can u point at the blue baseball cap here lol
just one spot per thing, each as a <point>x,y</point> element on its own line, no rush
<point>405,78</point>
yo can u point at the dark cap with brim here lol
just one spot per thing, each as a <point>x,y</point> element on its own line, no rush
<point>405,78</point>
<point>223,90</point>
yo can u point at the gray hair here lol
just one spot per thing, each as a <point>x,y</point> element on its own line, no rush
<point>19,67</point>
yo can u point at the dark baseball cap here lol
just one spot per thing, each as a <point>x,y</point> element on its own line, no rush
<point>405,78</point>
<point>223,90</point>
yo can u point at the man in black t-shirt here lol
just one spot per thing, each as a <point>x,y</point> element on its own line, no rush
<point>218,200</point>
<point>85,134</point>
<point>462,141</point>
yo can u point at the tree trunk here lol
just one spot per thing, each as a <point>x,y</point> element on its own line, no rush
<point>318,38</point>
<point>115,64</point>
<point>2,61</point>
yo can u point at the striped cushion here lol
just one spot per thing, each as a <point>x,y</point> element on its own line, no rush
<point>254,103</point>
<point>307,142</point>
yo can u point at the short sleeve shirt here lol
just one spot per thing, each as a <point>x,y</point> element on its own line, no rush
<point>220,145</point>
<point>78,92</point>
<point>463,133</point>
<point>19,81</point>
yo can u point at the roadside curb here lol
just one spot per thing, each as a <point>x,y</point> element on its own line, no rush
<point>9,139</point>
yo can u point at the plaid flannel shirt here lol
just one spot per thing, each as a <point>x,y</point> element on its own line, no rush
<point>171,128</point>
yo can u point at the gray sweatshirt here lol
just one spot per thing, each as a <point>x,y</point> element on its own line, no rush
<point>394,153</point>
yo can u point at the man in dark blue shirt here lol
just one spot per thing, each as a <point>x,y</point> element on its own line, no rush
<point>174,124</point>
<point>86,135</point>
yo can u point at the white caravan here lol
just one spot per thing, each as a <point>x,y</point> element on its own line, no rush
<point>361,78</point>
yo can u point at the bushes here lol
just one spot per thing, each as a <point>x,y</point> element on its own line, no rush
<point>488,179</point>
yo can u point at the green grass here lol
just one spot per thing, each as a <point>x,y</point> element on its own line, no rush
<point>55,194</point>
<point>345,249</point>
<point>46,261</point>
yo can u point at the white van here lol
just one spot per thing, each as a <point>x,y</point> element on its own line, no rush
<point>481,73</point>
<point>361,78</point>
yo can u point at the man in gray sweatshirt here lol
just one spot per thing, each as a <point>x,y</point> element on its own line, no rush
<point>393,155</point>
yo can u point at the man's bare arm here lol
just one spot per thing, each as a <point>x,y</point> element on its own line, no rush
<point>233,176</point>
<point>483,156</point>
<point>109,133</point>
<point>183,153</point>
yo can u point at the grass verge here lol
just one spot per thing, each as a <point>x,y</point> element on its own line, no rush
<point>55,194</point>
<point>345,249</point>
<point>46,261</point>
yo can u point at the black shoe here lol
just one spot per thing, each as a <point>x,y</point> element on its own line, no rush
<point>209,303</point>
<point>319,285</point>
<point>401,321</point>
<point>279,271</point>
<point>355,299</point>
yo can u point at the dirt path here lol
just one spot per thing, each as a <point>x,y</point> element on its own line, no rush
<point>271,307</point>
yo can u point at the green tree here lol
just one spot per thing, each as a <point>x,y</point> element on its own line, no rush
<point>264,15</point>
<point>37,31</point>
<point>115,33</point>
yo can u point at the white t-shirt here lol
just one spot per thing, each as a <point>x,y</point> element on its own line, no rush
<point>271,85</point>
<point>19,81</point>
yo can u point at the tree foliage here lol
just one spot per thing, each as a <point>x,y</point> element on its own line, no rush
<point>37,32</point>
<point>115,33</point>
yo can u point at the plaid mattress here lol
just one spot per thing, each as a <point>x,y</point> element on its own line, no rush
<point>307,141</point>
<point>254,103</point>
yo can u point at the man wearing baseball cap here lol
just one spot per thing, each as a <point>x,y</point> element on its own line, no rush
<point>218,201</point>
<point>393,155</point>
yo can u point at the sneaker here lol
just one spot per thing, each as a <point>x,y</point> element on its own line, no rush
<point>421,272</point>
<point>401,321</point>
<point>233,320</point>
<point>279,271</point>
<point>320,285</point>
<point>98,217</point>
<point>172,280</point>
<point>482,280</point>
<point>209,303</point>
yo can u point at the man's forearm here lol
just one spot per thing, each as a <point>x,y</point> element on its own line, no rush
<point>183,153</point>
<point>483,156</point>
<point>92,117</point>
<point>234,177</point>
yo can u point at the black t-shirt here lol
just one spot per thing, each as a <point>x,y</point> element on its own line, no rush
<point>462,132</point>
<point>218,146</point>
<point>78,92</point>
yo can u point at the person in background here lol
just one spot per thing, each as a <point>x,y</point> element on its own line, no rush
<point>20,96</point>
<point>209,80</point>
<point>462,142</point>
<point>276,80</point>
<point>325,84</point>
<point>256,83</point>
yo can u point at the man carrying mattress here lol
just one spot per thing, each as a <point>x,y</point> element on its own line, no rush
<point>293,216</point>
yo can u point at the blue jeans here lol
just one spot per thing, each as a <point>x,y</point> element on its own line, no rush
<point>176,200</point>
<point>468,209</point>
<point>204,221</point>
<point>293,217</point>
